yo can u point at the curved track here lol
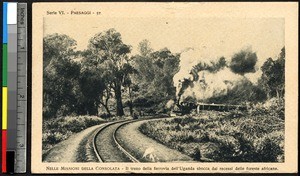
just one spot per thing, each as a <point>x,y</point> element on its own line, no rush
<point>106,146</point>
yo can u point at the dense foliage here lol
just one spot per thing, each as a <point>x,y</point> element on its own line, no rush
<point>273,77</point>
<point>222,137</point>
<point>104,79</point>
<point>154,79</point>
<point>59,129</point>
<point>94,80</point>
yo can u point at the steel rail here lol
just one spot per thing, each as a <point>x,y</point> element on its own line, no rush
<point>98,155</point>
<point>132,158</point>
<point>100,159</point>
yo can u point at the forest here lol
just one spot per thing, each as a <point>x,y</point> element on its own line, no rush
<point>106,80</point>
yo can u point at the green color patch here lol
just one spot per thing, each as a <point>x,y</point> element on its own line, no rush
<point>4,65</point>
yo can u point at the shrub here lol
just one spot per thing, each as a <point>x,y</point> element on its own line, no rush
<point>220,137</point>
<point>234,114</point>
<point>252,127</point>
<point>105,116</point>
<point>228,148</point>
<point>59,129</point>
<point>269,148</point>
<point>273,107</point>
<point>56,137</point>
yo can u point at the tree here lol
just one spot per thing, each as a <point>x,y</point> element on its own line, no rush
<point>60,77</point>
<point>145,47</point>
<point>154,77</point>
<point>93,73</point>
<point>273,77</point>
<point>243,62</point>
<point>266,80</point>
<point>58,46</point>
<point>108,50</point>
<point>92,87</point>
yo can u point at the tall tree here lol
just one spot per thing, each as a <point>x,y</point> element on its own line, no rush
<point>273,77</point>
<point>155,78</point>
<point>92,86</point>
<point>108,49</point>
<point>58,46</point>
<point>131,87</point>
<point>60,76</point>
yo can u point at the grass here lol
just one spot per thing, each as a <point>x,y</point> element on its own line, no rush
<point>61,128</point>
<point>222,136</point>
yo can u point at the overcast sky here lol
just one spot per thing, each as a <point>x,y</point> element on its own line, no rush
<point>212,36</point>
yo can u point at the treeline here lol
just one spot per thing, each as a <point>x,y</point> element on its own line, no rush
<point>104,79</point>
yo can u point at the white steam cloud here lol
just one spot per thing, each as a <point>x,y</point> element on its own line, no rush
<point>188,59</point>
<point>209,84</point>
<point>213,84</point>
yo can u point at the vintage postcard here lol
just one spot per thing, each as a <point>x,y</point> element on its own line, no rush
<point>164,87</point>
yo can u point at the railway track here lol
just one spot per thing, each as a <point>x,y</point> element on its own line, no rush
<point>106,145</point>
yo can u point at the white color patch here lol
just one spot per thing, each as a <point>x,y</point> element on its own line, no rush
<point>12,13</point>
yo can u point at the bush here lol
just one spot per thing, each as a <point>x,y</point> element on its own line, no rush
<point>269,148</point>
<point>252,127</point>
<point>219,137</point>
<point>59,129</point>
<point>105,116</point>
<point>235,114</point>
<point>228,148</point>
<point>56,137</point>
<point>273,107</point>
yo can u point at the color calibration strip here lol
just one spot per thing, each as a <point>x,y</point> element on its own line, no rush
<point>4,89</point>
<point>14,87</point>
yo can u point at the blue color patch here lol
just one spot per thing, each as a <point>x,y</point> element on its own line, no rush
<point>4,22</point>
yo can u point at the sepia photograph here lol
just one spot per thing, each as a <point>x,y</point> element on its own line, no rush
<point>161,89</point>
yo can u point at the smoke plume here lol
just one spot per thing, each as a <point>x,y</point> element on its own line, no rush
<point>212,84</point>
<point>202,76</point>
<point>243,62</point>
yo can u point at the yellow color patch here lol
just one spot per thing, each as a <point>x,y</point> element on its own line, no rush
<point>4,108</point>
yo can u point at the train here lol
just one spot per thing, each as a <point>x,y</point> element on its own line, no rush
<point>187,107</point>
